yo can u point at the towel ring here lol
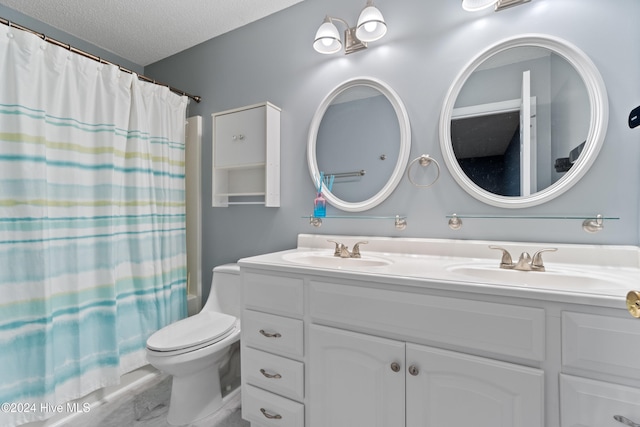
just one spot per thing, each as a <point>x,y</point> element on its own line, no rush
<point>424,161</point>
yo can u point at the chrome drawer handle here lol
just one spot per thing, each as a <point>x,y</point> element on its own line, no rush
<point>625,421</point>
<point>268,375</point>
<point>268,415</point>
<point>268,335</point>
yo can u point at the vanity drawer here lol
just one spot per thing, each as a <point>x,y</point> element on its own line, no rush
<point>274,373</point>
<point>276,334</point>
<point>602,344</point>
<point>590,403</point>
<point>497,328</point>
<point>275,294</point>
<point>270,410</point>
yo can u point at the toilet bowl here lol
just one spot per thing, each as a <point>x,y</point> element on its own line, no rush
<point>193,349</point>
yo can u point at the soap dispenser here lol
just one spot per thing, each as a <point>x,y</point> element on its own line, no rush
<point>319,206</point>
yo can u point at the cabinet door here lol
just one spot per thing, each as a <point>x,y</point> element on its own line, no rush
<point>240,138</point>
<point>451,389</point>
<point>352,381</point>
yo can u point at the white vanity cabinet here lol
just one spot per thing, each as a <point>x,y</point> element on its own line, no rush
<point>272,350</point>
<point>601,370</point>
<point>359,379</point>
<point>418,341</point>
<point>386,377</point>
<point>320,353</point>
<point>246,156</point>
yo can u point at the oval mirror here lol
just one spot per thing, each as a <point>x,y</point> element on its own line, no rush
<point>359,140</point>
<point>524,121</point>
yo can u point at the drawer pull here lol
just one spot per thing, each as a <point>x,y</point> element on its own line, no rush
<point>269,335</point>
<point>268,375</point>
<point>413,370</point>
<point>395,367</point>
<point>270,416</point>
<point>633,303</point>
<point>625,421</point>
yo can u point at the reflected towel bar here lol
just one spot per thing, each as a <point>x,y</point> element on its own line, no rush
<point>361,172</point>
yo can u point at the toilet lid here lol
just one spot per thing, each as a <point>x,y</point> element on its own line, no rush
<point>203,328</point>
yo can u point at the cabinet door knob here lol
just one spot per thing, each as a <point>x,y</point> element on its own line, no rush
<point>268,375</point>
<point>395,367</point>
<point>633,303</point>
<point>413,370</point>
<point>270,416</point>
<point>625,421</point>
<point>269,335</point>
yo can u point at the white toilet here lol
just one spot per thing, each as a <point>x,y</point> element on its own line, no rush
<point>193,349</point>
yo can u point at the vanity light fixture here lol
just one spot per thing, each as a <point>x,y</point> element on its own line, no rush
<point>370,27</point>
<point>474,5</point>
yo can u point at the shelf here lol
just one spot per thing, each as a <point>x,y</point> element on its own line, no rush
<point>400,221</point>
<point>590,223</point>
<point>259,193</point>
<point>244,166</point>
<point>569,217</point>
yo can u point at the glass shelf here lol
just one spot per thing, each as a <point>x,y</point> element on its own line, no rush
<point>590,223</point>
<point>355,217</point>
<point>400,221</point>
<point>582,217</point>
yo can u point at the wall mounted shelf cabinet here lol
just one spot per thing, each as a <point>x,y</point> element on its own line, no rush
<point>246,156</point>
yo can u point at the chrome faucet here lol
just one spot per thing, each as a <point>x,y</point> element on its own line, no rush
<point>526,262</point>
<point>342,250</point>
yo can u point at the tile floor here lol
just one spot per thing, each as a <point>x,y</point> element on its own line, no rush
<point>147,406</point>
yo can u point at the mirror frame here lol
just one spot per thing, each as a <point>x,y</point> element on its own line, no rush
<point>597,128</point>
<point>403,155</point>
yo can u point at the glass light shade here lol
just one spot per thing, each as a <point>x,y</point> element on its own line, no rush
<point>473,5</point>
<point>371,25</point>
<point>327,39</point>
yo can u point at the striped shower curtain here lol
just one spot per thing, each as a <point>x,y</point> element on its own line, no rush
<point>92,223</point>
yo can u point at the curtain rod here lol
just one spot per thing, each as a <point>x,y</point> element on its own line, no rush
<point>95,58</point>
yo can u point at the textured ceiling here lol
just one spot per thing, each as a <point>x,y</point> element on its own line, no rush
<point>146,31</point>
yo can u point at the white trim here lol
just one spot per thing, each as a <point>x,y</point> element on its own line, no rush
<point>193,184</point>
<point>526,163</point>
<point>403,155</point>
<point>486,109</point>
<point>597,128</point>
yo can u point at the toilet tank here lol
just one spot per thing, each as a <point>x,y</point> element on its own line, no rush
<point>224,295</point>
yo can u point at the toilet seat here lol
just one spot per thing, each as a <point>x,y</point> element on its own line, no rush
<point>192,333</point>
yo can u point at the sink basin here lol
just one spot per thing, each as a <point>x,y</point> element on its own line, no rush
<point>327,260</point>
<point>550,279</point>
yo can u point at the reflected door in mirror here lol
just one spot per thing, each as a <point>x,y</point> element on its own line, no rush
<point>526,116</point>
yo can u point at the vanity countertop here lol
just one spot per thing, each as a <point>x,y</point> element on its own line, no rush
<point>596,275</point>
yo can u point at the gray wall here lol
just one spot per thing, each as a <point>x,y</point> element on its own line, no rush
<point>428,43</point>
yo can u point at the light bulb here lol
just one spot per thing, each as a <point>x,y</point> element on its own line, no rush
<point>370,27</point>
<point>327,39</point>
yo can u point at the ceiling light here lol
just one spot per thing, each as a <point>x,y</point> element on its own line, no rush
<point>327,38</point>
<point>474,5</point>
<point>370,27</point>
